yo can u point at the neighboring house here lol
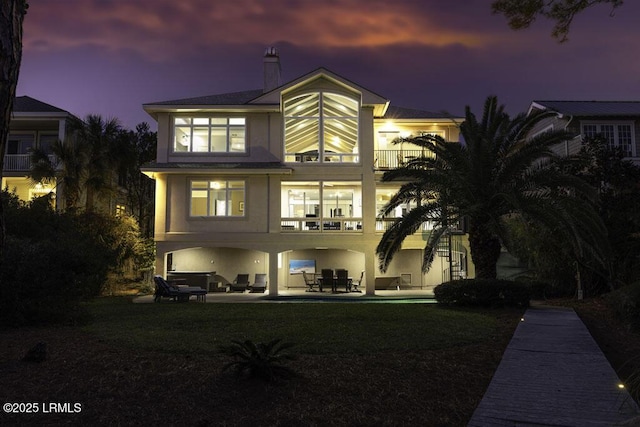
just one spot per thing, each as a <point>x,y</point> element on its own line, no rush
<point>33,124</point>
<point>288,177</point>
<point>618,121</point>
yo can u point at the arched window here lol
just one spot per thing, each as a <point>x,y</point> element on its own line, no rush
<point>321,127</point>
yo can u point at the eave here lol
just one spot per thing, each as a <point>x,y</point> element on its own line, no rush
<point>270,168</point>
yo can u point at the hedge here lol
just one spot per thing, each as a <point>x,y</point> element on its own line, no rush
<point>484,293</point>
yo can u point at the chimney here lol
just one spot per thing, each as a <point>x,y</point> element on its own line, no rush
<point>271,69</point>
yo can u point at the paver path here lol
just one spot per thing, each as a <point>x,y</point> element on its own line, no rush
<point>554,374</point>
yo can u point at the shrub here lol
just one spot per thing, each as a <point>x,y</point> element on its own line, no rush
<point>52,261</point>
<point>483,292</point>
<point>626,302</point>
<point>262,361</point>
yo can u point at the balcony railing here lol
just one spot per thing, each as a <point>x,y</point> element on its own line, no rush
<point>318,225</point>
<point>350,225</point>
<point>383,224</point>
<point>391,159</point>
<point>19,162</point>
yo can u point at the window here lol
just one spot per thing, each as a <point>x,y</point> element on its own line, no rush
<point>121,210</point>
<point>328,205</point>
<point>321,127</point>
<point>46,142</point>
<point>20,143</point>
<point>209,135</point>
<point>217,198</point>
<point>618,135</point>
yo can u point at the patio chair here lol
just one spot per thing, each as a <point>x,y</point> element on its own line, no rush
<point>327,279</point>
<point>240,284</point>
<point>309,280</point>
<point>176,293</point>
<point>355,285</point>
<point>342,279</point>
<point>259,284</point>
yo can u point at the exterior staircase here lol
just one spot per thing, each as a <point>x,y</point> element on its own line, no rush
<point>457,268</point>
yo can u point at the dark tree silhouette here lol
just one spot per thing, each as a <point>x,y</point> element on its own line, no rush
<point>12,14</point>
<point>522,13</point>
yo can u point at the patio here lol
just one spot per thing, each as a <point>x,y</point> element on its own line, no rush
<point>300,295</point>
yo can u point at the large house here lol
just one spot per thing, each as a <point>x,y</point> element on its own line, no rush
<point>618,121</point>
<point>287,178</point>
<point>33,124</point>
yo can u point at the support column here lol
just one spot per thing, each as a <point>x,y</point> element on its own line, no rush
<point>370,272</point>
<point>273,274</point>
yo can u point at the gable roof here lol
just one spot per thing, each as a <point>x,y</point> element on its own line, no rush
<point>26,104</point>
<point>369,98</point>
<point>258,99</point>
<point>591,108</point>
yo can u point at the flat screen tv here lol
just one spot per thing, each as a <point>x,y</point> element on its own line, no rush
<point>297,266</point>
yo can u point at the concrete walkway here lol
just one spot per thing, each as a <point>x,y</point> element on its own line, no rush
<point>554,374</point>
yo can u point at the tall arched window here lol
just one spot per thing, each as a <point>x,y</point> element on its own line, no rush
<point>321,127</point>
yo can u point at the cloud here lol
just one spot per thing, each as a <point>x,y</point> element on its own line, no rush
<point>164,29</point>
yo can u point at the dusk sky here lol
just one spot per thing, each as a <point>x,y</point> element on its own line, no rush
<point>109,57</point>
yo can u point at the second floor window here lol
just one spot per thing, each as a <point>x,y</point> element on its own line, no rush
<point>20,143</point>
<point>209,135</point>
<point>321,127</point>
<point>217,198</point>
<point>618,135</point>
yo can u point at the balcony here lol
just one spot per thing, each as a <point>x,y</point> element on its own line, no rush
<point>20,162</point>
<point>391,159</point>
<point>383,224</point>
<point>318,225</point>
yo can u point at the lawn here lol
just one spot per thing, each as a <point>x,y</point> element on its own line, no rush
<point>357,364</point>
<point>315,328</point>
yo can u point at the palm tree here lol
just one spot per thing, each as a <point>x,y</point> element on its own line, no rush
<point>495,175</point>
<point>84,163</point>
<point>100,138</point>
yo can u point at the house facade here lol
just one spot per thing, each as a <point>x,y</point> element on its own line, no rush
<point>618,121</point>
<point>288,178</point>
<point>34,124</point>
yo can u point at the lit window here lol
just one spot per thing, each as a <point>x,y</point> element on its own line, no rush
<point>209,135</point>
<point>328,205</point>
<point>217,198</point>
<point>321,127</point>
<point>121,210</point>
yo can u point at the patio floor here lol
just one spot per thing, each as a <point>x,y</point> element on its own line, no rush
<point>300,295</point>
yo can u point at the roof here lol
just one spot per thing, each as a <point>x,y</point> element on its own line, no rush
<point>592,108</point>
<point>394,112</point>
<point>250,98</point>
<point>232,98</point>
<point>26,104</point>
<point>258,99</point>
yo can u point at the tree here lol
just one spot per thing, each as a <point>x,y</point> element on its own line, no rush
<point>497,173</point>
<point>12,14</point>
<point>618,182</point>
<point>85,163</point>
<point>522,13</point>
<point>138,148</point>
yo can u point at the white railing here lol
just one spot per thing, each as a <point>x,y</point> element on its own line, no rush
<point>383,224</point>
<point>20,162</point>
<point>319,225</point>
<point>391,159</point>
<point>329,157</point>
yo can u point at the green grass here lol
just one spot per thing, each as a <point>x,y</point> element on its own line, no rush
<point>315,328</point>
